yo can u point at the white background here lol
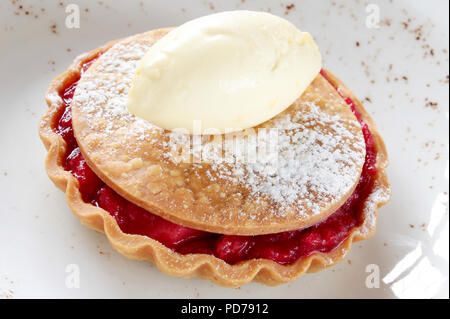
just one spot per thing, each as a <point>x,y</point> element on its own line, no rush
<point>39,236</point>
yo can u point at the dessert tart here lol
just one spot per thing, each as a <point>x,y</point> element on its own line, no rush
<point>225,218</point>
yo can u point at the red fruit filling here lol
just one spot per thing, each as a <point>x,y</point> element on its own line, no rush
<point>283,248</point>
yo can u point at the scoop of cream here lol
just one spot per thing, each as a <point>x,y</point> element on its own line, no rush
<point>224,72</point>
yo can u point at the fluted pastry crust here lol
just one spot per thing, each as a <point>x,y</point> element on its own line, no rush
<point>199,265</point>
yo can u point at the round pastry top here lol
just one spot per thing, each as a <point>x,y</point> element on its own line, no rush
<point>288,173</point>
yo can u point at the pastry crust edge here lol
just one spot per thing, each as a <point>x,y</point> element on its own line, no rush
<point>197,265</point>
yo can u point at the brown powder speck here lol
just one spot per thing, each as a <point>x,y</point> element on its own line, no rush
<point>53,28</point>
<point>368,99</point>
<point>386,22</point>
<point>8,294</point>
<point>289,7</point>
<point>432,105</point>
<point>411,226</point>
<point>429,144</point>
<point>349,262</point>
<point>358,44</point>
<point>69,50</point>
<point>5,173</point>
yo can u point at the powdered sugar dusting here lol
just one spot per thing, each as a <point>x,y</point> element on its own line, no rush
<point>380,194</point>
<point>314,160</point>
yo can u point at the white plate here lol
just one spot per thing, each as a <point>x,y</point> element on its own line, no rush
<point>39,236</point>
